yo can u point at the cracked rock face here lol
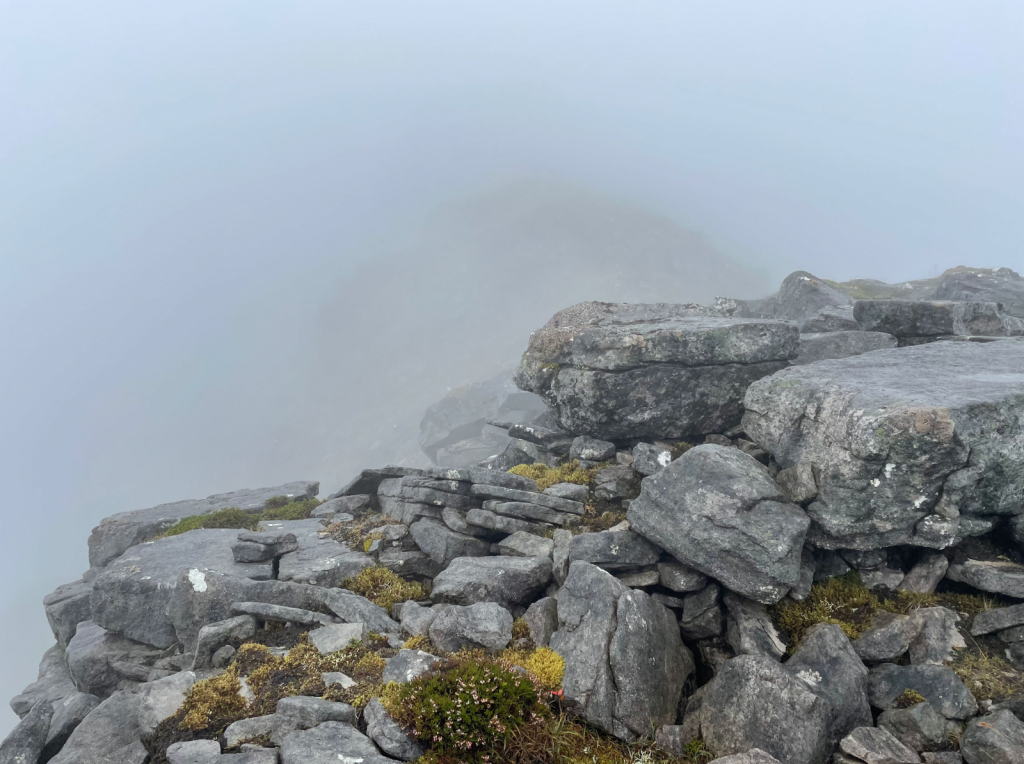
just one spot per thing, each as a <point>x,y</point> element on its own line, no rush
<point>617,371</point>
<point>908,445</point>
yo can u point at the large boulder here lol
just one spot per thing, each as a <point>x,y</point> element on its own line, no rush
<point>112,726</point>
<point>26,741</point>
<point>904,443</point>
<point>318,561</point>
<point>485,625</point>
<point>330,743</point>
<point>116,533</point>
<point>806,299</point>
<point>53,685</point>
<point>825,345</point>
<point>994,739</point>
<point>509,581</point>
<point>66,607</point>
<point>100,661</point>
<point>1000,285</point>
<point>625,662</point>
<point>914,321</point>
<point>717,510</point>
<point>616,371</point>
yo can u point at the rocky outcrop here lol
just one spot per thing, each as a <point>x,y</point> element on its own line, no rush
<point>913,322</point>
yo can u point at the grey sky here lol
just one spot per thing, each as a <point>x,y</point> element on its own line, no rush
<point>183,185</point>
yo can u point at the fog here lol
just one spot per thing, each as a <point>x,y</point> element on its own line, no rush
<point>249,242</point>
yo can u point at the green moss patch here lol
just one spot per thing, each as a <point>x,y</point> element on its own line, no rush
<point>546,476</point>
<point>277,508</point>
<point>384,587</point>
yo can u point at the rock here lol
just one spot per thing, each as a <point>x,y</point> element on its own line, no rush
<point>330,639</point>
<point>886,639</point>
<point>408,665</point>
<point>942,757</point>
<point>248,729</point>
<point>521,544</point>
<point>53,685</point>
<point>560,555</point>
<point>415,619</point>
<point>991,576</point>
<point>936,636</point>
<point>916,320</point>
<point>281,614</point>
<point>99,660</point>
<point>648,458</point>
<point>570,491</point>
<point>443,545</point>
<point>881,578</point>
<point>749,629</point>
<point>303,713</point>
<point>755,756</point>
<point>1001,285</point>
<point>508,581</point>
<point>899,440</point>
<point>549,501</point>
<point>702,616</point>
<point>26,741</point>
<point>388,734</point>
<point>338,507</point>
<point>502,524</point>
<point>330,743</point>
<point>194,752</point>
<point>161,698</point>
<point>997,619</point>
<point>840,344</point>
<point>484,625</point>
<point>213,636</point>
<point>258,547</point>
<point>633,371</point>
<point>876,745</point>
<point>994,739</point>
<point>351,608</point>
<point>369,481</point>
<point>66,607</point>
<point>613,550</point>
<point>680,578</point>
<point>926,574</point>
<point>671,738</point>
<point>111,726</point>
<point>919,727</point>
<point>717,510</point>
<point>542,619</point>
<point>455,519</point>
<point>808,567</point>
<point>317,561</point>
<point>115,534</point>
<point>591,449</point>
<point>407,564</point>
<point>803,296</point>
<point>937,684</point>
<point>616,483</point>
<point>638,579</point>
<point>336,677</point>
<point>602,629</point>
<point>798,483</point>
<point>67,715</point>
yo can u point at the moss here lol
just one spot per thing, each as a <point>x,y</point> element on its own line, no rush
<point>843,601</point>
<point>546,476</point>
<point>909,698</point>
<point>282,508</point>
<point>358,533</point>
<point>591,522</point>
<point>277,508</point>
<point>520,629</point>
<point>212,704</point>
<point>697,751</point>
<point>383,587</point>
<point>546,667</point>
<point>987,676</point>
<point>968,604</point>
<point>420,642</point>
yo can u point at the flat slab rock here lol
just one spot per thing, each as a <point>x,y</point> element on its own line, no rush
<point>909,319</point>
<point>903,442</point>
<point>825,345</point>
<point>117,533</point>
<point>317,561</point>
<point>616,371</point>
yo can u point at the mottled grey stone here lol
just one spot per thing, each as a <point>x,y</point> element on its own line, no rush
<point>521,544</point>
<point>680,578</point>
<point>248,729</point>
<point>330,639</point>
<point>571,491</point>
<point>484,625</point>
<point>1000,577</point>
<point>920,727</point>
<point>213,636</point>
<point>549,501</point>
<point>591,449</point>
<point>281,614</point>
<point>415,619</point>
<point>159,699</point>
<point>66,607</point>
<point>876,745</point>
<point>26,741</point>
<point>542,619</point>
<point>508,581</point>
<point>99,660</point>
<point>937,684</point>
<point>388,734</point>
<point>352,608</point>
<point>649,458</point>
<point>749,629</point>
<point>912,320</point>
<point>926,573</point>
<point>842,344</point>
<point>702,615</point>
<point>317,561</point>
<point>194,752</point>
<point>53,685</point>
<point>408,665</point>
<point>613,550</point>
<point>936,636</point>
<point>111,726</point>
<point>886,639</point>
<point>330,743</point>
<point>998,619</point>
<point>997,738</point>
<point>67,715</point>
<point>302,713</point>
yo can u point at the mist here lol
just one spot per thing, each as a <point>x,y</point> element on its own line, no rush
<point>243,243</point>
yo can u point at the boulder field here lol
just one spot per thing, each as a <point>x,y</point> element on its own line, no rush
<point>785,531</point>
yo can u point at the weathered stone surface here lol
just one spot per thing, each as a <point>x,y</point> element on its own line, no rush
<point>602,629</point>
<point>938,684</point>
<point>346,505</point>
<point>111,726</point>
<point>910,320</point>
<point>571,491</point>
<point>756,756</point>
<point>368,481</point>
<point>649,458</point>
<point>592,449</point>
<point>281,614</point>
<point>997,619</point>
<point>886,639</point>
<point>717,510</point>
<point>702,615</point>
<point>330,743</point>
<point>247,729</point>
<point>802,296</point>
<point>936,638</point>
<point>798,483</point>
<point>508,581</point>
<point>352,608</point>
<point>499,524</point>
<point>903,441</point>
<point>194,752</point>
<point>991,576</point>
<point>484,625</point>
<point>841,344</point>
<point>117,533</point>
<point>54,682</point>
<point>926,573</point>
<point>455,519</point>
<point>415,619</point>
<point>159,699</point>
<point>388,734</point>
<point>521,544</point>
<point>67,715</point>
<point>260,546</point>
<point>416,563</point>
<point>442,545</point>
<point>483,476</point>
<point>882,577</point>
<point>613,550</point>
<point>330,639</point>
<point>213,636</point>
<point>749,629</point>
<point>550,501</point>
<point>408,665</point>
<point>523,511</point>
<point>26,741</point>
<point>317,561</point>
<point>997,738</point>
<point>1000,285</point>
<point>132,593</point>
<point>680,578</point>
<point>542,619</point>
<point>876,745</point>
<point>303,713</point>
<point>942,757</point>
<point>920,727</point>
<point>66,607</point>
<point>99,660</point>
<point>631,371</point>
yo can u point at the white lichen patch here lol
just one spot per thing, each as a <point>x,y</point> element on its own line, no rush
<point>198,580</point>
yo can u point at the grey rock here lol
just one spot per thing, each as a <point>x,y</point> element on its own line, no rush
<point>159,699</point>
<point>388,734</point>
<point>936,636</point>
<point>257,547</point>
<point>755,756</point>
<point>222,657</point>
<point>649,458</point>
<point>485,518</point>
<point>455,519</point>
<point>409,563</point>
<point>613,550</point>
<point>717,510</point>
<point>251,754</point>
<point>416,620</point>
<point>508,581</point>
<point>881,578</point>
<point>886,639</point>
<point>920,727</point>
<point>542,619</point>
<point>303,713</point>
<point>520,510</point>
<point>99,660</point>
<point>942,757</point>
<point>113,725</point>
<point>352,608</point>
<point>876,745</point>
<point>840,344</point>
<point>803,296</point>
<point>638,579</point>
<point>248,729</point>
<point>749,629</point>
<point>1000,285</point>
<point>1011,636</point>
<point>808,567</point>
<point>115,534</point>
<point>798,482</point>
<point>194,752</point>
<point>330,639</point>
<point>702,615</point>
<point>408,665</point>
<point>213,636</point>
<point>997,738</point>
<point>617,371</point>
<point>67,715</point>
<point>998,619</point>
<point>915,319</point>
<point>330,743</point>
<point>830,564</point>
<point>603,628</point>
<point>133,753</point>
<point>999,577</point>
<point>550,501</point>
<point>591,449</point>
<point>53,685</point>
<point>672,739</point>
<point>560,555</point>
<point>26,741</point>
<point>369,481</point>
<point>336,677</point>
<point>680,578</point>
<point>926,573</point>
<point>502,479</point>
<point>615,483</point>
<point>900,440</point>
<point>484,625</point>
<point>937,684</point>
<point>443,545</point>
<point>66,607</point>
<point>571,491</point>
<point>265,611</point>
<point>346,505</point>
<point>317,561</point>
<point>521,544</point>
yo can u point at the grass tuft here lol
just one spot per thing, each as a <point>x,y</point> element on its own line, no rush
<point>277,508</point>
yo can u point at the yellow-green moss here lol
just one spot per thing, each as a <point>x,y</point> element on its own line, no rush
<point>277,508</point>
<point>520,629</point>
<point>213,704</point>
<point>987,676</point>
<point>357,533</point>
<point>843,601</point>
<point>909,698</point>
<point>383,587</point>
<point>546,476</point>
<point>419,642</point>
